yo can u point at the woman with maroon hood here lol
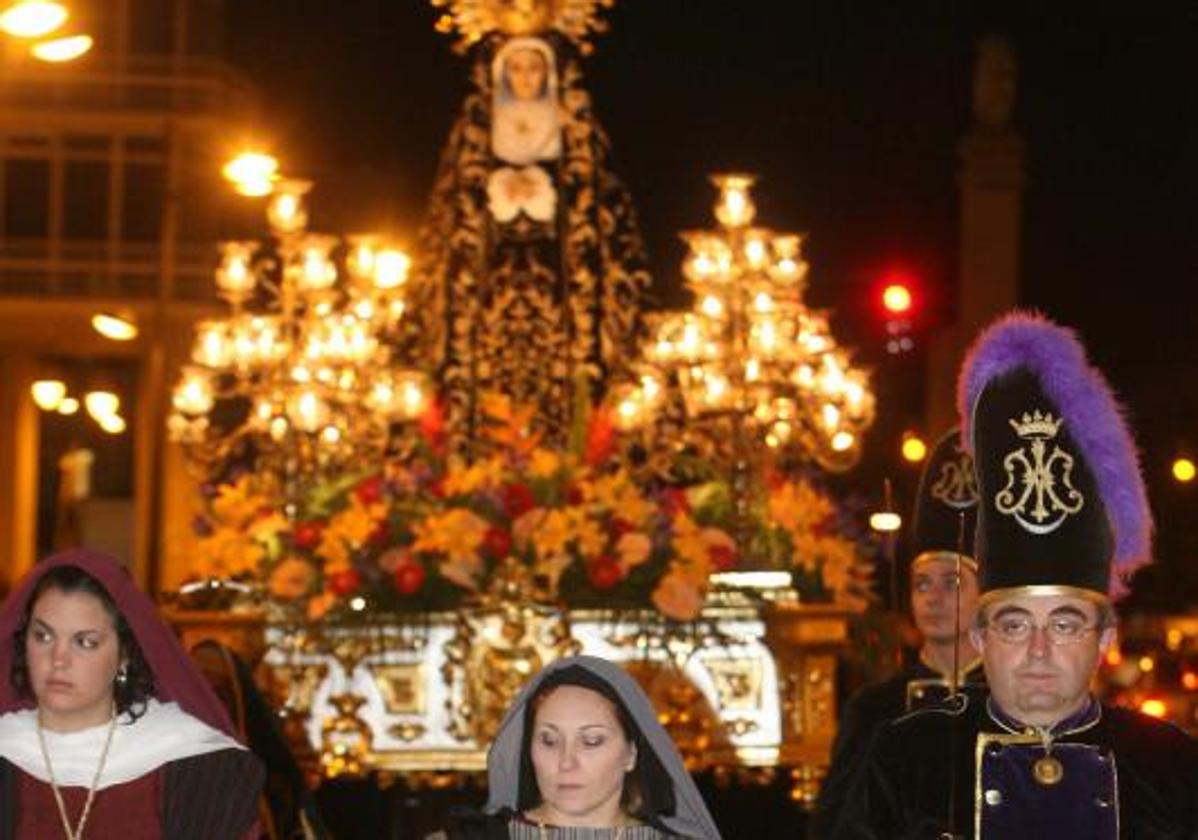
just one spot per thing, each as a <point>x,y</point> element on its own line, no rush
<point>106,728</point>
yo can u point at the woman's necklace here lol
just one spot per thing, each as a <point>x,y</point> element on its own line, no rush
<point>77,833</point>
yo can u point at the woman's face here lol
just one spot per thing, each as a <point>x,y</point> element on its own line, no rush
<point>580,755</point>
<point>526,71</point>
<point>73,652</point>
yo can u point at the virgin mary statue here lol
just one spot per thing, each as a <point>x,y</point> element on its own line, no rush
<point>530,266</point>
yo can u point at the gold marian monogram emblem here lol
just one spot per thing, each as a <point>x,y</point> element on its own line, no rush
<point>1039,492</point>
<point>956,485</point>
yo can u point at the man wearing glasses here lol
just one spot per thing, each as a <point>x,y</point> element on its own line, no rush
<point>1063,519</point>
<point>944,595</point>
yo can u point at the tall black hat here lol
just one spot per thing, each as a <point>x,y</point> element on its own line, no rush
<point>1063,505</point>
<point>947,502</point>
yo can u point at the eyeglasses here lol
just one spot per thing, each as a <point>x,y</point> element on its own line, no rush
<point>1060,629</point>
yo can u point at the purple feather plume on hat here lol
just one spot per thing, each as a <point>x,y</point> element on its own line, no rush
<point>1086,403</point>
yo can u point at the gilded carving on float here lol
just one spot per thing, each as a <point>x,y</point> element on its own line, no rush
<point>738,682</point>
<point>402,688</point>
<point>497,646</point>
<point>346,738</point>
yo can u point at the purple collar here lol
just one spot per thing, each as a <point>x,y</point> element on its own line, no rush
<point>1083,718</point>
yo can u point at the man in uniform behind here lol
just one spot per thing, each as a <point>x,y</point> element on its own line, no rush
<point>1063,516</point>
<point>944,594</point>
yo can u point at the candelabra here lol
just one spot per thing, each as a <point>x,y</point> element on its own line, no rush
<point>299,377</point>
<point>750,371</point>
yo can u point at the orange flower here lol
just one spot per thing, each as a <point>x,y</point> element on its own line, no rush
<point>457,533</point>
<point>229,551</point>
<point>236,503</point>
<point>291,578</point>
<point>319,605</point>
<point>589,537</point>
<point>797,506</point>
<point>356,523</point>
<point>463,570</point>
<point>678,597</point>
<point>633,549</point>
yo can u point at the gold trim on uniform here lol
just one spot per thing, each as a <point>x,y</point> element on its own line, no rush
<point>950,556</point>
<point>1099,599</point>
<point>942,681</point>
<point>1030,737</point>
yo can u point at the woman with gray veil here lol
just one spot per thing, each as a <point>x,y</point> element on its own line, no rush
<point>580,755</point>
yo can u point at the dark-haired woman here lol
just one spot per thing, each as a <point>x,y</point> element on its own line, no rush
<point>106,728</point>
<point>581,756</point>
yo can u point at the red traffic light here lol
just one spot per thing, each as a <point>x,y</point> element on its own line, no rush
<point>897,298</point>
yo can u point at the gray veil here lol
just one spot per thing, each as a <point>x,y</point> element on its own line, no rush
<point>690,817</point>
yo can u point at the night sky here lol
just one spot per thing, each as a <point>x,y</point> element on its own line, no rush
<point>850,112</point>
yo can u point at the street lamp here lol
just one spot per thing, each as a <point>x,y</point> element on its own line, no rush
<point>1184,470</point>
<point>914,449</point>
<point>252,173</point>
<point>62,50</point>
<point>33,18</point>
<point>886,522</point>
<point>114,327</point>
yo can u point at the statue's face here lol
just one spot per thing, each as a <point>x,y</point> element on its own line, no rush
<point>526,73</point>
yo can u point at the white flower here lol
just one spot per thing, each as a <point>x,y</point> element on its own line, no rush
<point>528,189</point>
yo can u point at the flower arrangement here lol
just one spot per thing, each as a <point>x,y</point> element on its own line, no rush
<point>426,531</point>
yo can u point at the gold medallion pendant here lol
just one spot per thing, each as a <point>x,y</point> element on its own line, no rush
<point>1048,771</point>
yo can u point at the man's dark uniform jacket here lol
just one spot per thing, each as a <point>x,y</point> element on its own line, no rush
<point>1123,775</point>
<point>917,687</point>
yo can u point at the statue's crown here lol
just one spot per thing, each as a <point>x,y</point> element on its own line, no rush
<point>475,19</point>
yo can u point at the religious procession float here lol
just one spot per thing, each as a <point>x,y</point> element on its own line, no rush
<point>422,480</point>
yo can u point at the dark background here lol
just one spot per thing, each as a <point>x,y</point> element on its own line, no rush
<point>851,113</point>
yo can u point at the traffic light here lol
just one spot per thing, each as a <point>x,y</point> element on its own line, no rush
<point>898,300</point>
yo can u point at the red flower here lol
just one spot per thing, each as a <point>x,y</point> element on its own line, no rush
<point>409,577</point>
<point>619,527</point>
<point>370,490</point>
<point>826,527</point>
<point>345,583</point>
<point>673,502</point>
<point>722,557</point>
<point>381,533</point>
<point>306,535</point>
<point>604,572</point>
<point>437,487</point>
<point>517,500</point>
<point>774,479</point>
<point>574,494</point>
<point>432,427</point>
<point>601,437</point>
<point>497,542</point>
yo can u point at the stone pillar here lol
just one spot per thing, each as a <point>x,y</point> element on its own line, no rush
<point>991,183</point>
<point>19,442</point>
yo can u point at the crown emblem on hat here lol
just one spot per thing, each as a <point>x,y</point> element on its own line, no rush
<point>956,485</point>
<point>1038,424</point>
<point>1039,493</point>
